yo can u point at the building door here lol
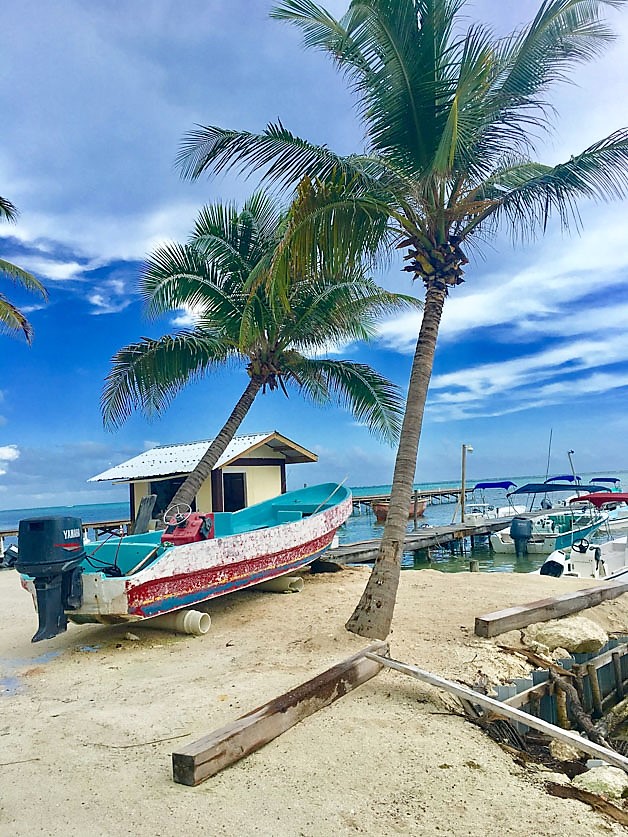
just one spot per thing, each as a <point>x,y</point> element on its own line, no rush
<point>234,492</point>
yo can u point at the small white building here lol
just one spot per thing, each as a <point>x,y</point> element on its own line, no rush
<point>252,469</point>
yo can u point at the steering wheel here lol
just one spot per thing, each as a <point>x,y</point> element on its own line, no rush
<point>177,514</point>
<point>581,545</point>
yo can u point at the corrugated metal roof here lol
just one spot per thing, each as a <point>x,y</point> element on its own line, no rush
<point>168,460</point>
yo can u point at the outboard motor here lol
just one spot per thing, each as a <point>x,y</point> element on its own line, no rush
<point>554,565</point>
<point>521,532</point>
<point>50,550</point>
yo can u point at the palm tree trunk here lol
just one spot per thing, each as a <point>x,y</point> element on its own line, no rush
<point>195,480</point>
<point>373,615</point>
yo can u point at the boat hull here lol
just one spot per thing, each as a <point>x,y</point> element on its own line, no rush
<point>189,574</point>
<point>380,510</point>
<point>543,544</point>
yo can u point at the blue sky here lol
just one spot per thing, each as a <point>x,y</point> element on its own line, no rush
<point>95,98</point>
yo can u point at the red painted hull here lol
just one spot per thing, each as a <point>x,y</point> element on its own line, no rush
<point>380,510</point>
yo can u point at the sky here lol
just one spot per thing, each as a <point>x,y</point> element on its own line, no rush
<point>95,99</point>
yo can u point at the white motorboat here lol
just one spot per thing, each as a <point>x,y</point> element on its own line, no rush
<point>556,528</point>
<point>478,512</point>
<point>586,560</point>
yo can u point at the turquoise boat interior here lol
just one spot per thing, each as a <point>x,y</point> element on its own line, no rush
<point>130,554</point>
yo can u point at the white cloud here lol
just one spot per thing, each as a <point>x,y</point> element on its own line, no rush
<point>8,453</point>
<point>46,268</point>
<point>187,317</point>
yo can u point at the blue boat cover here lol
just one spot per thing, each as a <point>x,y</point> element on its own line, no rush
<point>565,478</point>
<point>506,484</point>
<point>605,479</point>
<point>546,488</point>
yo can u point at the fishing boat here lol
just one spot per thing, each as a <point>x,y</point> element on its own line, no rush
<point>556,528</point>
<point>197,557</point>
<point>380,509</point>
<point>586,560</point>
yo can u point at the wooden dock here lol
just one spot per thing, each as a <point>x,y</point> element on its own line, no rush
<point>423,538</point>
<point>436,496</point>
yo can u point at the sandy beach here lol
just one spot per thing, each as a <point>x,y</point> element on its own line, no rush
<point>90,719</point>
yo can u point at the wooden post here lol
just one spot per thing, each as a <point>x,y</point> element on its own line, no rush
<point>501,621</point>
<point>207,756</point>
<point>561,709</point>
<point>499,708</point>
<point>474,566</point>
<point>619,681</point>
<point>595,691</point>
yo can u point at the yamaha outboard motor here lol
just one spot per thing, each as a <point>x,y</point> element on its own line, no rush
<point>521,532</point>
<point>50,550</point>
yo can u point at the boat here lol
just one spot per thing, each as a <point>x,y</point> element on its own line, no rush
<point>197,557</point>
<point>586,560</point>
<point>613,502</point>
<point>555,528</point>
<point>380,509</point>
<point>613,483</point>
<point>478,512</point>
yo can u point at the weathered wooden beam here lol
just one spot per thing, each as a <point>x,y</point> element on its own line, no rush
<point>210,754</point>
<point>500,621</point>
<point>505,711</point>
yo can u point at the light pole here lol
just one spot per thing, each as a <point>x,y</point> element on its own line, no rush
<point>570,453</point>
<point>465,450</point>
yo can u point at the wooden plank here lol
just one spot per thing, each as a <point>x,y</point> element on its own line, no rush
<point>500,621</point>
<point>505,711</point>
<point>210,754</point>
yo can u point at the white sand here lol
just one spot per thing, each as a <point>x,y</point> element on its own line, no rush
<point>388,759</point>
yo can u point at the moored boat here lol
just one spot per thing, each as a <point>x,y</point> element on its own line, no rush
<point>583,559</point>
<point>380,509</point>
<point>556,528</point>
<point>613,502</point>
<point>480,511</point>
<point>196,558</point>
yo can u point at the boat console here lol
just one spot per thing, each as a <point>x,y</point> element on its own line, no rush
<point>190,528</point>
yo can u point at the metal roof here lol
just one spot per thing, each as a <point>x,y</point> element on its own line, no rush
<point>171,460</point>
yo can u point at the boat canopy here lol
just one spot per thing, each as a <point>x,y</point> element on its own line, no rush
<point>614,480</point>
<point>600,498</point>
<point>506,484</point>
<point>565,478</point>
<point>547,488</point>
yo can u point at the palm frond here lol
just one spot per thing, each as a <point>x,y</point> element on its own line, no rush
<point>177,276</point>
<point>147,375</point>
<point>12,320</point>
<point>8,211</point>
<point>529,193</point>
<point>370,397</point>
<point>23,278</point>
<point>276,154</point>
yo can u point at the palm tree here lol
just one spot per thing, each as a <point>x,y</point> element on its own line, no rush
<point>220,274</point>
<point>450,115</point>
<point>11,318</point>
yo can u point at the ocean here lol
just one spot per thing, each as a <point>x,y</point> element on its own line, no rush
<point>360,526</point>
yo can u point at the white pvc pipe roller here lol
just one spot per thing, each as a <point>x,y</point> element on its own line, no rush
<point>182,621</point>
<point>283,584</point>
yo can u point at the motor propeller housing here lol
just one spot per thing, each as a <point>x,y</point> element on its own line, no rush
<point>50,551</point>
